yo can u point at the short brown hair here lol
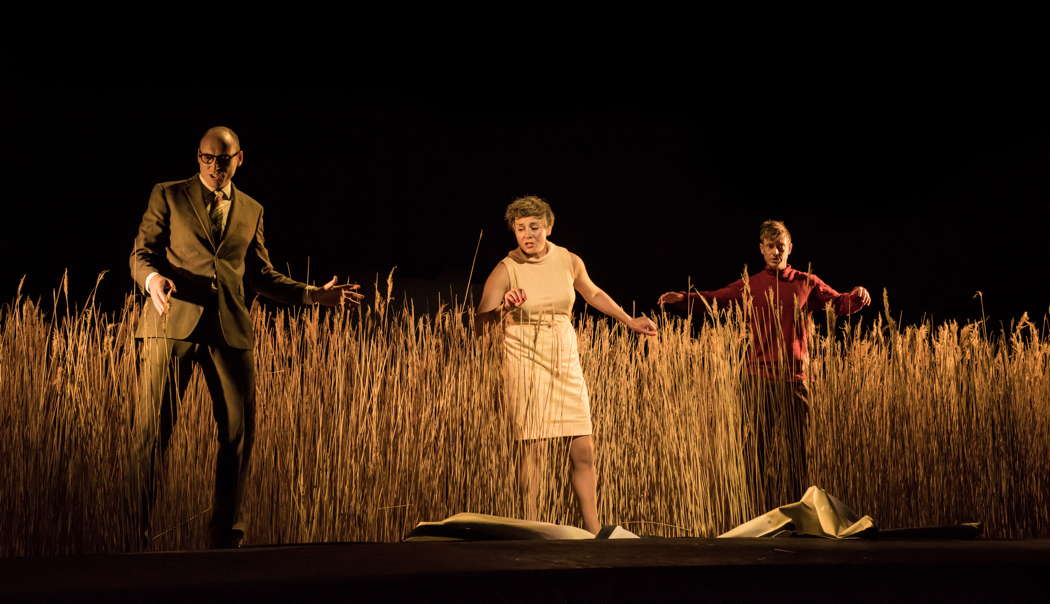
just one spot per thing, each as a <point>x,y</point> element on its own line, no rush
<point>530,205</point>
<point>772,229</point>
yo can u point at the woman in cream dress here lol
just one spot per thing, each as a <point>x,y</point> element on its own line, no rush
<point>531,292</point>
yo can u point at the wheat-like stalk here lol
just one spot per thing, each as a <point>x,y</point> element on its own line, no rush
<point>371,420</point>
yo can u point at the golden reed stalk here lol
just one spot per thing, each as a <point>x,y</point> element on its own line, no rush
<point>372,420</point>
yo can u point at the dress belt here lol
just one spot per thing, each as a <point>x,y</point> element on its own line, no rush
<point>547,321</point>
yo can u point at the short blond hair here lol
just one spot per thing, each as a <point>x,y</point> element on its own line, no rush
<point>772,229</point>
<point>530,205</point>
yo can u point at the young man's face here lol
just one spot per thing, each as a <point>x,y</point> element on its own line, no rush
<point>776,251</point>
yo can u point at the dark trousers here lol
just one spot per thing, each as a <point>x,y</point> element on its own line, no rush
<point>776,426</point>
<point>166,368</point>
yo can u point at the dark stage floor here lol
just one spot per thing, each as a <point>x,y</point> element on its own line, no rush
<point>768,570</point>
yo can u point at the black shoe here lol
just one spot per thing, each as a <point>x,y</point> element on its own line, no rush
<point>145,541</point>
<point>230,539</point>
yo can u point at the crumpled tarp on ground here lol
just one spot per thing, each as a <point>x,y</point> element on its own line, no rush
<point>817,514</point>
<point>480,527</point>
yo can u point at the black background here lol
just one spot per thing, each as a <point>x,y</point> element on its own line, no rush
<point>931,191</point>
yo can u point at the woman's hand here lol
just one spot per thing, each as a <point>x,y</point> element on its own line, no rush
<point>514,298</point>
<point>642,325</point>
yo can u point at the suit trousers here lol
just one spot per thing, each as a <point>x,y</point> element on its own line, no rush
<point>775,431</point>
<point>166,368</point>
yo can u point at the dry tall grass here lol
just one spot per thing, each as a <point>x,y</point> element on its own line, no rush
<point>371,421</point>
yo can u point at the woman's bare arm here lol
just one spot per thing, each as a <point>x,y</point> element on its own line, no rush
<point>603,302</point>
<point>493,296</point>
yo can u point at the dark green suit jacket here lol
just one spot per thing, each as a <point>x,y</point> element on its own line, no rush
<point>176,240</point>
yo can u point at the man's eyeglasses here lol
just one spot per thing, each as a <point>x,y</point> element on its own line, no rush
<point>209,159</point>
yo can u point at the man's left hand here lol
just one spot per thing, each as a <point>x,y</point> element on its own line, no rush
<point>331,294</point>
<point>865,297</point>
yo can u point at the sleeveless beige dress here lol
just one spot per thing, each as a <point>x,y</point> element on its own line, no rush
<point>542,375</point>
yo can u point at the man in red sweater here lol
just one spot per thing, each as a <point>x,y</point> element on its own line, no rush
<point>778,305</point>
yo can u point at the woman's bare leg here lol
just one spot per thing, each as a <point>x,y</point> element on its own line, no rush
<point>585,480</point>
<point>528,475</point>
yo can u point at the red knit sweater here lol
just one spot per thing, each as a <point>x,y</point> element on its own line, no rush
<point>777,331</point>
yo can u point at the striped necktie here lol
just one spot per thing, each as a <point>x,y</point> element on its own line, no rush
<point>220,207</point>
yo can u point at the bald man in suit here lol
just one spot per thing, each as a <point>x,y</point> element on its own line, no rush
<point>200,241</point>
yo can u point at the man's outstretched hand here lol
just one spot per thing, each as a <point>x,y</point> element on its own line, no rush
<point>670,298</point>
<point>865,297</point>
<point>331,294</point>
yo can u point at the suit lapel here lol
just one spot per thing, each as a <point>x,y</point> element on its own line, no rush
<point>236,212</point>
<point>193,192</point>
